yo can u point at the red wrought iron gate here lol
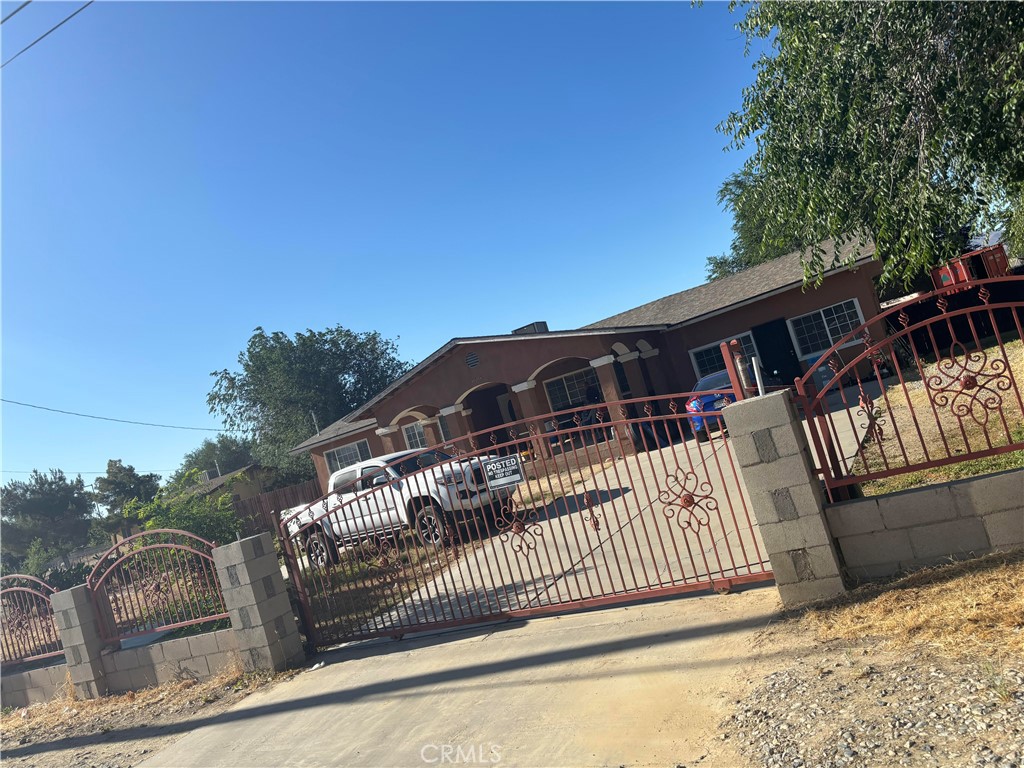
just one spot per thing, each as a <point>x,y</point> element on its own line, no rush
<point>582,508</point>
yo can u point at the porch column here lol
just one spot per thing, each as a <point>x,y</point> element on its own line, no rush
<point>611,393</point>
<point>631,365</point>
<point>432,431</point>
<point>459,423</point>
<point>533,405</point>
<point>389,437</point>
<point>656,372</point>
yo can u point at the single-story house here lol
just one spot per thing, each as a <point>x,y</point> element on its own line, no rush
<point>659,348</point>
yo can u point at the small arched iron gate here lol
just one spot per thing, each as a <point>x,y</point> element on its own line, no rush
<point>28,631</point>
<point>155,581</point>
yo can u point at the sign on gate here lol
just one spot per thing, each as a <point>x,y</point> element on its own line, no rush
<point>503,472</point>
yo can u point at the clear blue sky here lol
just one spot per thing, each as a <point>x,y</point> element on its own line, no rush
<point>176,174</point>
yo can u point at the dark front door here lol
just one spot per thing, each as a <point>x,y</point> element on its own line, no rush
<point>775,346</point>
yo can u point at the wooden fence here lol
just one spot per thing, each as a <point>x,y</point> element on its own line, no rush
<point>257,514</point>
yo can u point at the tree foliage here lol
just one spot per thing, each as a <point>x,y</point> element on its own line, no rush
<point>284,382</point>
<point>47,513</point>
<point>902,122</point>
<point>180,506</point>
<point>751,241</point>
<point>221,456</point>
<point>122,484</point>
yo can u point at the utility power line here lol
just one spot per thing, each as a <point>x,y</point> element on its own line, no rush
<point>78,472</point>
<point>5,18</point>
<point>120,421</point>
<point>46,34</point>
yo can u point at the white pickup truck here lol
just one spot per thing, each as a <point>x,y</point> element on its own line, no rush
<point>428,491</point>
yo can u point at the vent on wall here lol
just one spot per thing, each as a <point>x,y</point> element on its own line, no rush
<point>472,360</point>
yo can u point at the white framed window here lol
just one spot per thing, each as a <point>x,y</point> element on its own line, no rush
<point>816,331</point>
<point>708,359</point>
<point>347,455</point>
<point>442,425</point>
<point>415,437</point>
<point>570,390</point>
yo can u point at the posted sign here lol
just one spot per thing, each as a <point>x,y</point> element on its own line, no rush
<point>503,472</point>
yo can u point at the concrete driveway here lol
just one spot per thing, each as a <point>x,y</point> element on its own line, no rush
<point>639,685</point>
<point>639,543</point>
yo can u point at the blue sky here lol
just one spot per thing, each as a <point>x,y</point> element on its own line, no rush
<point>176,174</point>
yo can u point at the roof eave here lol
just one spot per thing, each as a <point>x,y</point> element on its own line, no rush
<point>309,444</point>
<point>774,292</point>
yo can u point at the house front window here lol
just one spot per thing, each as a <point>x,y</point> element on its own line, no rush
<point>816,331</point>
<point>347,455</point>
<point>707,360</point>
<point>414,436</point>
<point>570,391</point>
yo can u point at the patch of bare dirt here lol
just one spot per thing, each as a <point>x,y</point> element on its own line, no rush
<point>926,671</point>
<point>119,731</point>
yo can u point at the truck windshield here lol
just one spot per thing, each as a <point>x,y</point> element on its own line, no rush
<point>414,462</point>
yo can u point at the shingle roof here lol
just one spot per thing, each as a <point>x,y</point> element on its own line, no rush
<point>786,271</point>
<point>681,307</point>
<point>329,434</point>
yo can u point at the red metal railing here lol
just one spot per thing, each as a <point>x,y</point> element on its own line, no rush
<point>617,501</point>
<point>153,582</point>
<point>28,631</point>
<point>942,387</point>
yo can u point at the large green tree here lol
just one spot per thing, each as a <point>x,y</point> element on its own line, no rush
<point>48,509</point>
<point>902,122</point>
<point>113,491</point>
<point>751,242</point>
<point>284,383</point>
<point>221,456</point>
<point>182,505</point>
<point>122,484</point>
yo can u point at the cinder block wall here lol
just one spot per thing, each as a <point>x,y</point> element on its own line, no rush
<point>35,686</point>
<point>263,635</point>
<point>882,535</point>
<point>199,658</point>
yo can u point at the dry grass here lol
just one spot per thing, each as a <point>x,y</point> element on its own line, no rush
<point>185,695</point>
<point>926,432</point>
<point>968,609</point>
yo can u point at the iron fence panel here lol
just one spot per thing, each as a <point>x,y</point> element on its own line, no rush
<point>616,502</point>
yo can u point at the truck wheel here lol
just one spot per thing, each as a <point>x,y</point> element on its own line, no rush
<point>701,435</point>
<point>431,526</point>
<point>321,550</point>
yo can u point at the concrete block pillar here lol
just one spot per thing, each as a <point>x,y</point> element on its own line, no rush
<point>257,601</point>
<point>390,439</point>
<point>611,393</point>
<point>79,629</point>
<point>771,448</point>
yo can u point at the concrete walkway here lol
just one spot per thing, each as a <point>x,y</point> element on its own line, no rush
<point>640,685</point>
